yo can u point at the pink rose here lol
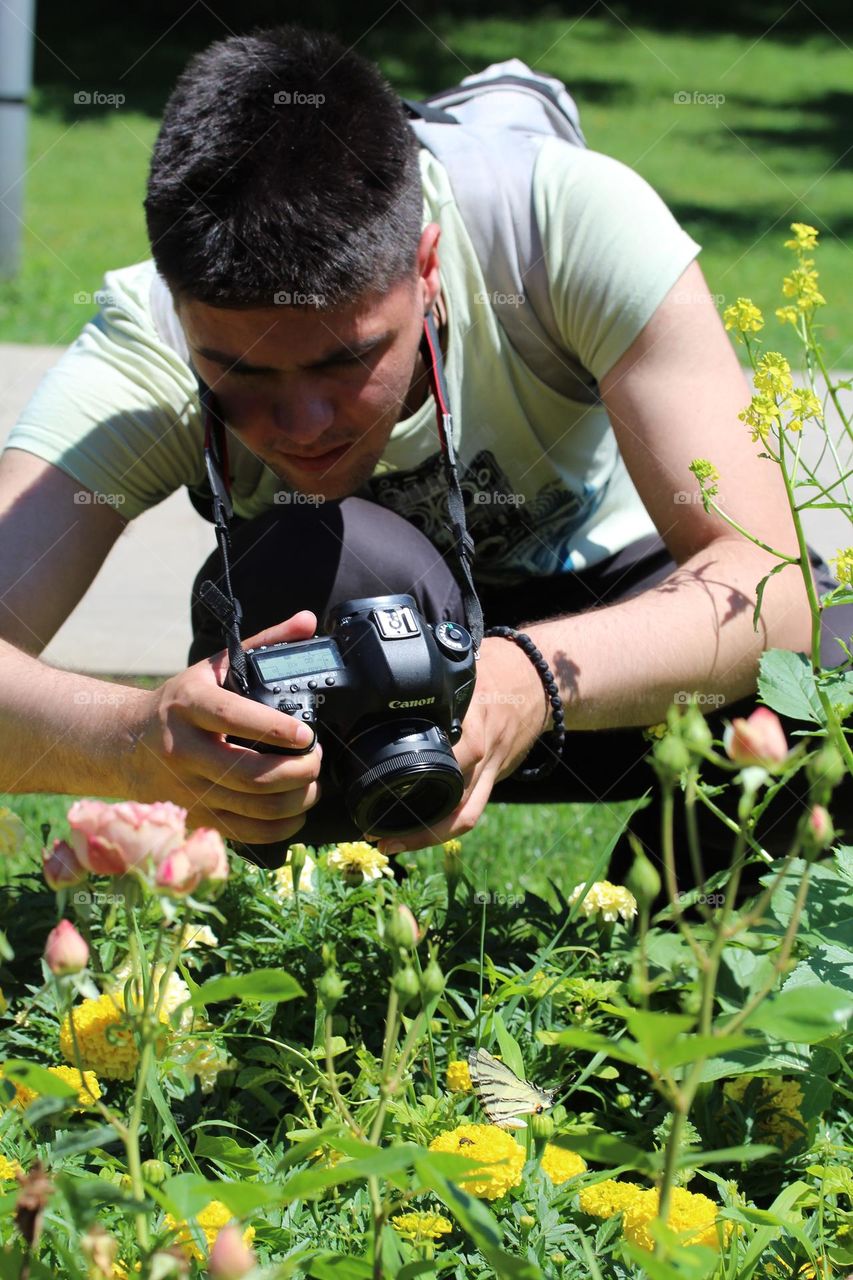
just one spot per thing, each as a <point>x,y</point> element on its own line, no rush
<point>230,1258</point>
<point>61,866</point>
<point>200,859</point>
<point>111,839</point>
<point>820,826</point>
<point>759,739</point>
<point>65,950</point>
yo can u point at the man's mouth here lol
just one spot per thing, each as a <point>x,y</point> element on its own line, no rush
<point>316,461</point>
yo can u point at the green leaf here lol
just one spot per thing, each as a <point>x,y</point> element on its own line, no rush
<point>604,1148</point>
<point>262,984</point>
<point>759,591</point>
<point>37,1078</point>
<point>339,1266</point>
<point>227,1153</point>
<point>786,683</point>
<point>510,1051</point>
<point>623,1050</point>
<point>726,1155</point>
<point>188,1193</point>
<point>71,1144</point>
<point>804,1014</point>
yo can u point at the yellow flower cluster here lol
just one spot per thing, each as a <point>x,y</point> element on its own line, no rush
<point>421,1225</point>
<point>775,393</point>
<point>610,901</point>
<point>356,857</point>
<point>778,1118</point>
<point>88,1089</point>
<point>104,1037</point>
<point>488,1145</point>
<point>691,1216</point>
<point>561,1164</point>
<point>459,1077</point>
<point>606,1199</point>
<point>205,1060</point>
<point>9,1169</point>
<point>283,878</point>
<point>842,565</point>
<point>744,317</point>
<point>211,1219</point>
<point>805,237</point>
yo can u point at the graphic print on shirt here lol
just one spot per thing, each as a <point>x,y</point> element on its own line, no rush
<point>515,538</point>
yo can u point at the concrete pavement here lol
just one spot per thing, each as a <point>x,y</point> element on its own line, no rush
<point>135,617</point>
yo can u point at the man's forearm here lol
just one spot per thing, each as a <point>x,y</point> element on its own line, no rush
<point>623,665</point>
<point>61,731</point>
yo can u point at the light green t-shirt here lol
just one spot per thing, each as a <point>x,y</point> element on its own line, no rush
<point>546,489</point>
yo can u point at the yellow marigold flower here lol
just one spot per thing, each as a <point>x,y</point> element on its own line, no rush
<point>610,901</point>
<point>283,878</point>
<point>88,1089</point>
<point>743,316</point>
<point>459,1077</point>
<point>12,832</point>
<point>104,1036</point>
<point>176,992</point>
<point>778,1118</point>
<point>211,1219</point>
<point>354,857</point>
<point>489,1145</point>
<point>606,1199</point>
<point>421,1226</point>
<point>805,237</point>
<point>691,1216</point>
<point>561,1164</point>
<point>9,1169</point>
<point>773,375</point>
<point>842,565</point>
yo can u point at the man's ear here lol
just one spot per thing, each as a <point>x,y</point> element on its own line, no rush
<point>428,266</point>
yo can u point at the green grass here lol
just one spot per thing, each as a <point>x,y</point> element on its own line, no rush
<point>735,174</point>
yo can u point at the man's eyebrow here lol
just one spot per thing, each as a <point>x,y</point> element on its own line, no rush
<point>344,352</point>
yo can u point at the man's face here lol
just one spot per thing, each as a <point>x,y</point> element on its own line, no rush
<point>315,394</point>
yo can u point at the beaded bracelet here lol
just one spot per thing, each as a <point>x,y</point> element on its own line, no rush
<point>555,737</point>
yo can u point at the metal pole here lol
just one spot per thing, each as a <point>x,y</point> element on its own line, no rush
<point>17,23</point>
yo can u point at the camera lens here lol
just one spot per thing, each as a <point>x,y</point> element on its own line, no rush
<point>400,776</point>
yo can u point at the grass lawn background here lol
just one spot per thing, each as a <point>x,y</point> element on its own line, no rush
<point>736,174</point>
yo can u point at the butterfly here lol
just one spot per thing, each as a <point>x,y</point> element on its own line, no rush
<point>503,1095</point>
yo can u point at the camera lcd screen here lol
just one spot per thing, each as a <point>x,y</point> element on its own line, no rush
<point>301,660</point>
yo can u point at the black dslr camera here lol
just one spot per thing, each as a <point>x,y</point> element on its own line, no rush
<point>385,692</point>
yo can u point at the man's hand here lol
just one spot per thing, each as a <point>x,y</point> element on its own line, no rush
<point>508,712</point>
<point>179,752</point>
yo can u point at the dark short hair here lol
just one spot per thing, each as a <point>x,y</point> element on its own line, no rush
<point>284,165</point>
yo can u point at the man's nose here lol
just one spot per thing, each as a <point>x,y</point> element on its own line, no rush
<point>303,418</point>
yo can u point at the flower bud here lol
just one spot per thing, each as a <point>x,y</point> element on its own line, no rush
<point>694,731</point>
<point>670,757</point>
<point>643,880</point>
<point>820,827</point>
<point>230,1258</point>
<point>542,1125</point>
<point>154,1171</point>
<point>65,950</point>
<point>526,1221</point>
<point>432,980</point>
<point>825,769</point>
<point>403,930</point>
<point>330,989</point>
<point>405,983</point>
<point>61,867</point>
<point>757,740</point>
<point>623,1101</point>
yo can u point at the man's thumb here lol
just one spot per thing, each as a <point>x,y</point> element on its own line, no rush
<point>301,626</point>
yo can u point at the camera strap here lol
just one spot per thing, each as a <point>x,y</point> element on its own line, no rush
<point>226,607</point>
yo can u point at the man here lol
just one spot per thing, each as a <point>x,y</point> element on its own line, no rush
<point>299,240</point>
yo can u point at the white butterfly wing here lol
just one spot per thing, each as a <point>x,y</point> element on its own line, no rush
<point>504,1096</point>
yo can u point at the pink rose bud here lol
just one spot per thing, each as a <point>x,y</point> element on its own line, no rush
<point>820,825</point>
<point>65,950</point>
<point>111,839</point>
<point>61,866</point>
<point>230,1258</point>
<point>176,874</point>
<point>206,851</point>
<point>759,739</point>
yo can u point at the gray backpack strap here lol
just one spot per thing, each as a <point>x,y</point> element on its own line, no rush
<point>503,114</point>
